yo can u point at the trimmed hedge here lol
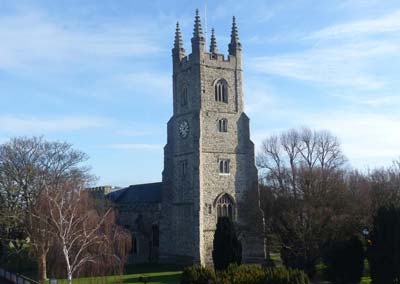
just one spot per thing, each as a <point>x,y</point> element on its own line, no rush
<point>243,274</point>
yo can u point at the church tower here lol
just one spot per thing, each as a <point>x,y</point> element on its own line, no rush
<point>209,166</point>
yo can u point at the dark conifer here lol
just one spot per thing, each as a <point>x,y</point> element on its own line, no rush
<point>227,247</point>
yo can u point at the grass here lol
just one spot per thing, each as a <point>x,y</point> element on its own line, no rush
<point>366,280</point>
<point>169,277</point>
<point>156,274</point>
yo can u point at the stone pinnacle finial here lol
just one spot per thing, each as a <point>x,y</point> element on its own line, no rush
<point>178,43</point>
<point>234,33</point>
<point>198,31</point>
<point>178,51</point>
<point>213,44</point>
<point>235,45</point>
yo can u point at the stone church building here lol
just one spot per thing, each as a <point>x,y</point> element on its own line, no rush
<point>209,166</point>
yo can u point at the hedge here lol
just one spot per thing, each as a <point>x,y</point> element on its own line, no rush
<point>243,274</point>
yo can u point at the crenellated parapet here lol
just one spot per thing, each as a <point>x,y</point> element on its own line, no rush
<point>199,54</point>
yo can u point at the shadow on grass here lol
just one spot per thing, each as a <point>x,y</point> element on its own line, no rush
<point>151,267</point>
<point>168,279</point>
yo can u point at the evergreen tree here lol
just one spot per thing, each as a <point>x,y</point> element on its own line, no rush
<point>384,250</point>
<point>227,247</point>
<point>345,261</point>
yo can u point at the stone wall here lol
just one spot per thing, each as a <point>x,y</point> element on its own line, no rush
<point>189,212</point>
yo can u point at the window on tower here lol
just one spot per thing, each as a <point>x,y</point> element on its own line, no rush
<point>223,125</point>
<point>184,165</point>
<point>224,166</point>
<point>225,207</point>
<point>221,91</point>
<point>156,236</point>
<point>184,96</point>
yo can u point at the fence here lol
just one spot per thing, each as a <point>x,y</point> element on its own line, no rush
<point>15,278</point>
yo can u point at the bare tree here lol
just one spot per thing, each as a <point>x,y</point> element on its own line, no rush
<point>303,172</point>
<point>27,167</point>
<point>83,234</point>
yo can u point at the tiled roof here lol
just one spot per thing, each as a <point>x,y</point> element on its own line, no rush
<point>138,193</point>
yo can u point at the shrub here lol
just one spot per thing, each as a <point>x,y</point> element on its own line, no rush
<point>197,275</point>
<point>243,274</point>
<point>384,251</point>
<point>227,247</point>
<point>344,261</point>
<point>295,257</point>
<point>282,275</point>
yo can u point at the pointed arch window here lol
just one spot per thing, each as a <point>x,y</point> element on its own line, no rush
<point>184,96</point>
<point>221,91</point>
<point>223,125</point>
<point>226,207</point>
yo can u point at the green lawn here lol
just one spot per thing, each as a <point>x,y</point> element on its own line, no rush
<point>366,280</point>
<point>168,275</point>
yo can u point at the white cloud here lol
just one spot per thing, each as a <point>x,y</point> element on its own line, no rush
<point>154,83</point>
<point>385,24</point>
<point>363,134</point>
<point>258,96</point>
<point>32,124</point>
<point>382,101</point>
<point>342,65</point>
<point>355,54</point>
<point>368,139</point>
<point>30,40</point>
<point>136,132</point>
<point>135,146</point>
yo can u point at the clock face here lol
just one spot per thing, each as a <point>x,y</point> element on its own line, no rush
<point>183,128</point>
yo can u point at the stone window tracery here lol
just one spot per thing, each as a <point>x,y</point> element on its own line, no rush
<point>221,91</point>
<point>225,207</point>
<point>223,125</point>
<point>224,166</point>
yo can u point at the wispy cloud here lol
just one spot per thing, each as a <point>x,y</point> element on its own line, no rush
<point>149,83</point>
<point>136,132</point>
<point>363,134</point>
<point>259,96</point>
<point>384,24</point>
<point>343,65</point>
<point>343,55</point>
<point>33,124</point>
<point>29,39</point>
<point>382,101</point>
<point>135,146</point>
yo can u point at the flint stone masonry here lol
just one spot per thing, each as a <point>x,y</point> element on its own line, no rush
<point>195,196</point>
<point>185,204</point>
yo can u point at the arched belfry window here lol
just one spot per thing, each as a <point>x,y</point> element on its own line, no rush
<point>226,207</point>
<point>223,125</point>
<point>221,91</point>
<point>224,166</point>
<point>184,96</point>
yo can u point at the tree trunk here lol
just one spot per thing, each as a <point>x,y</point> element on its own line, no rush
<point>69,277</point>
<point>42,267</point>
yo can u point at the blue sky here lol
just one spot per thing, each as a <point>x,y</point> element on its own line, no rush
<point>98,74</point>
